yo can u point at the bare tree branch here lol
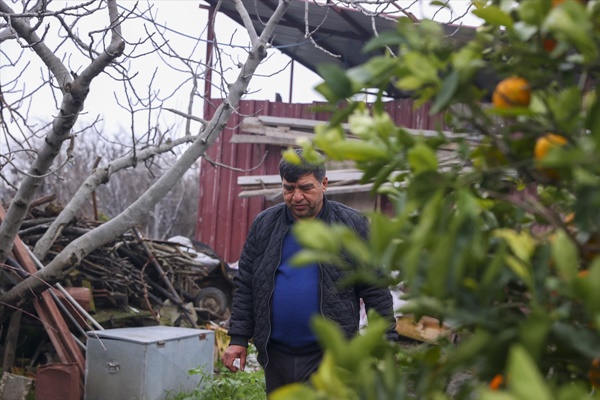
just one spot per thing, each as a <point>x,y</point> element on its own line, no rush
<point>79,248</point>
<point>74,94</point>
<point>97,178</point>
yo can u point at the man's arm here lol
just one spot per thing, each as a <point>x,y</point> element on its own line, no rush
<point>241,322</point>
<point>380,299</point>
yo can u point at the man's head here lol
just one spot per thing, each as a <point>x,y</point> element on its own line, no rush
<point>304,186</point>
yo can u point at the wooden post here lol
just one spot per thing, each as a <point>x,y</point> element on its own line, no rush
<point>10,343</point>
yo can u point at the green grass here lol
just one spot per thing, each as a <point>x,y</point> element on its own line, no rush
<point>226,385</point>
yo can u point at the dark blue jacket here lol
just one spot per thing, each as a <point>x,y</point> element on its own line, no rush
<point>254,280</point>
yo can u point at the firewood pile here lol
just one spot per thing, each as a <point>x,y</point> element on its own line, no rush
<point>136,271</point>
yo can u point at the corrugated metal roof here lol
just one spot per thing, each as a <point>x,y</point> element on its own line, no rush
<point>337,34</point>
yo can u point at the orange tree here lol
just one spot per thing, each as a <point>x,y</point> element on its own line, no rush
<point>481,242</point>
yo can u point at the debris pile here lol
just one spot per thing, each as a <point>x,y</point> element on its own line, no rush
<point>139,272</point>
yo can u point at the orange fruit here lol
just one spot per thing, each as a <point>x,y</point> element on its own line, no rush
<point>512,92</point>
<point>569,218</point>
<point>549,45</point>
<point>543,146</point>
<point>496,382</point>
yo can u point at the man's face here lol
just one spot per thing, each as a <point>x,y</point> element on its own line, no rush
<point>304,198</point>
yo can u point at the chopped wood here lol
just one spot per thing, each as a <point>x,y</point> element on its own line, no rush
<point>427,329</point>
<point>120,273</point>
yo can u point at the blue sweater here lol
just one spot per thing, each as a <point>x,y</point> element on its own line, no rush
<point>295,299</point>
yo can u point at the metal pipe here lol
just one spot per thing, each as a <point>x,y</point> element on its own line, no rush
<point>67,295</point>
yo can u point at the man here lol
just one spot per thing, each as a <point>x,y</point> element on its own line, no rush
<point>273,301</point>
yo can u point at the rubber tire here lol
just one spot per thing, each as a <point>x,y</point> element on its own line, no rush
<point>211,299</point>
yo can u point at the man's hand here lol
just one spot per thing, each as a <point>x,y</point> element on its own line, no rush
<point>230,355</point>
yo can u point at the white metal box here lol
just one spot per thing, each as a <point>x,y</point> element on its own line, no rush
<point>146,363</point>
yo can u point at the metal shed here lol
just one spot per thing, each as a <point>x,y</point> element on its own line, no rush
<point>224,217</point>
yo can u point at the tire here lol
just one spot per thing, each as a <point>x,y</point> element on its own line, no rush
<point>211,299</point>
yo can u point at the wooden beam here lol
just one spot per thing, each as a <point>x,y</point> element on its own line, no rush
<point>330,190</point>
<point>309,125</point>
<point>262,139</point>
<point>332,175</point>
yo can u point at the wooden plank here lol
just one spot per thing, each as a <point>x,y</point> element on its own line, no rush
<point>428,329</point>
<point>10,343</point>
<point>311,124</point>
<point>330,190</point>
<point>307,124</point>
<point>262,139</point>
<point>333,176</point>
<point>252,125</point>
<point>286,133</point>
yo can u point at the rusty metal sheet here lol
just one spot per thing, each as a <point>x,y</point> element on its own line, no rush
<point>49,314</point>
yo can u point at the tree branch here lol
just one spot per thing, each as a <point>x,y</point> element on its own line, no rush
<point>82,246</point>
<point>74,94</point>
<point>98,177</point>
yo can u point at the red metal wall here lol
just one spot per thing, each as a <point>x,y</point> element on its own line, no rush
<point>224,218</point>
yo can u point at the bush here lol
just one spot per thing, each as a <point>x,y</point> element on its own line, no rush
<point>226,385</point>
<point>489,235</point>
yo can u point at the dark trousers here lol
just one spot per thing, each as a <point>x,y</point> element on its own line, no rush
<point>284,368</point>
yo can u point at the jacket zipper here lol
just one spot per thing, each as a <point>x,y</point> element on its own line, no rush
<point>287,228</point>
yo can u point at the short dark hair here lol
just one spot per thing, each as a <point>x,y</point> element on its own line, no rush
<point>292,172</point>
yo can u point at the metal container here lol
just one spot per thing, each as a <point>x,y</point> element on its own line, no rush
<point>146,363</point>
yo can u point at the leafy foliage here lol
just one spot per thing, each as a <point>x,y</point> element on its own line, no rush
<point>480,238</point>
<point>226,385</point>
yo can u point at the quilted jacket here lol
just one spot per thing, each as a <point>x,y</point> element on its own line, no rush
<point>255,278</point>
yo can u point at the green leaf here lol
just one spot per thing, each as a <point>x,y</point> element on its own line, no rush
<point>493,395</point>
<point>372,73</point>
<point>328,382</point>
<point>572,391</point>
<point>331,338</point>
<point>533,12</point>
<point>525,380</point>
<point>449,86</point>
<point>593,115</point>
<point>363,345</point>
<point>294,391</point>
<point>520,269</point>
<point>472,347</point>
<point>422,158</point>
<point>588,287</point>
<point>386,38</point>
<point>534,331</point>
<point>520,243</point>
<point>575,339</point>
<point>354,245</point>
<point>337,86</point>
<point>305,257</point>
<point>422,67</point>
<point>566,256</point>
<point>493,15</point>
<point>569,22</point>
<point>354,150</point>
<point>493,269</point>
<point>382,232</point>
<point>316,235</point>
